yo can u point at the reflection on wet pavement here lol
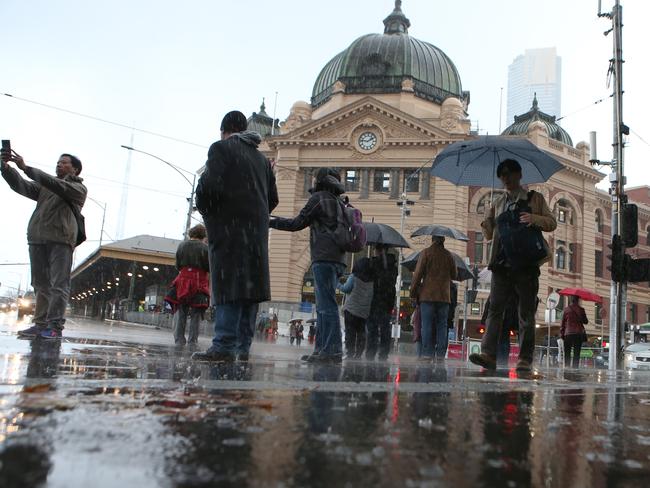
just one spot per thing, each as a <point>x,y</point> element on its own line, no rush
<point>117,411</point>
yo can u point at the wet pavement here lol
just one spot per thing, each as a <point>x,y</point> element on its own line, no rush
<point>115,405</point>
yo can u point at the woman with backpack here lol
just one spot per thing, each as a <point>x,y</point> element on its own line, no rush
<point>320,214</point>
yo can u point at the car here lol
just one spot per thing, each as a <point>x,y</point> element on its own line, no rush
<point>26,304</point>
<point>637,356</point>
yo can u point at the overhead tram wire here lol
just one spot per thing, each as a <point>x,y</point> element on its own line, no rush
<point>120,183</point>
<point>117,124</point>
<point>600,100</point>
<point>105,121</point>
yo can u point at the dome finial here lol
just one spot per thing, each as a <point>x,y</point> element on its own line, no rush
<point>535,103</point>
<point>263,108</point>
<point>396,22</point>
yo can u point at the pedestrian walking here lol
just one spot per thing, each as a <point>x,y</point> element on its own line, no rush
<point>54,230</point>
<point>510,323</point>
<point>190,292</point>
<point>327,263</point>
<point>431,288</point>
<point>572,330</point>
<point>359,291</point>
<point>514,224</point>
<point>383,266</point>
<point>292,331</point>
<point>299,332</point>
<point>235,196</point>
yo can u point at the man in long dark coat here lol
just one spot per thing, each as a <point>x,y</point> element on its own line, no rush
<point>235,196</point>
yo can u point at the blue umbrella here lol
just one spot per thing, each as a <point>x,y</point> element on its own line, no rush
<point>474,162</point>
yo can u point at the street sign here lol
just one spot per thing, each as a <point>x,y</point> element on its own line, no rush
<point>552,301</point>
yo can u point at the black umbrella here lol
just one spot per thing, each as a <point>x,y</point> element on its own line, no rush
<point>464,272</point>
<point>440,230</point>
<point>384,234</point>
<point>474,162</point>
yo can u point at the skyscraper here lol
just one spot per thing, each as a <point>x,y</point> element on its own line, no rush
<point>536,71</point>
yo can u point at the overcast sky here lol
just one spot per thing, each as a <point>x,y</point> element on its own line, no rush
<point>176,68</point>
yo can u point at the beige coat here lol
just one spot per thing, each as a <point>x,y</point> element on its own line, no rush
<point>542,217</point>
<point>433,274</point>
<point>52,220</point>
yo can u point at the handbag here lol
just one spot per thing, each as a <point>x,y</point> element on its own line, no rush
<point>81,223</point>
<point>523,245</point>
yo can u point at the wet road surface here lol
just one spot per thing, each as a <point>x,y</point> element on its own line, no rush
<point>113,405</point>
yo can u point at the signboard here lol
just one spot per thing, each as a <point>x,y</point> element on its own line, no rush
<point>552,301</point>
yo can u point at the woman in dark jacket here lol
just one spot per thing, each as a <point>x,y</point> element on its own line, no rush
<point>572,330</point>
<point>320,215</point>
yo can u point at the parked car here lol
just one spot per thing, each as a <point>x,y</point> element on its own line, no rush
<point>26,304</point>
<point>637,356</point>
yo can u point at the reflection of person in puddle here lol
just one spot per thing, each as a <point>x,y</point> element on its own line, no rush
<point>44,359</point>
<point>507,435</point>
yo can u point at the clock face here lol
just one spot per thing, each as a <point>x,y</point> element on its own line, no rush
<point>367,141</point>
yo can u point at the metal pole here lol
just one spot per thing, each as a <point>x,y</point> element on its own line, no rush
<point>548,340</point>
<point>101,235</point>
<point>190,209</point>
<point>398,285</point>
<point>617,290</point>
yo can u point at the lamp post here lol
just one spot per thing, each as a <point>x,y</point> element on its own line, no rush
<point>103,207</point>
<point>180,171</point>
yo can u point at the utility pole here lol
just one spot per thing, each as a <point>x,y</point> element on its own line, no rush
<point>618,289</point>
<point>190,210</point>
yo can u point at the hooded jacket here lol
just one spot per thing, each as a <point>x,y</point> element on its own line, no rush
<point>320,215</point>
<point>384,269</point>
<point>235,195</point>
<point>52,220</point>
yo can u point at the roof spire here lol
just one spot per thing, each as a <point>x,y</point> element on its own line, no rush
<point>396,22</point>
<point>535,104</point>
<point>263,108</point>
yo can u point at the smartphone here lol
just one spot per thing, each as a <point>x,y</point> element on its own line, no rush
<point>6,148</point>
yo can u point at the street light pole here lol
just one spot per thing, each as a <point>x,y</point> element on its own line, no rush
<point>103,207</point>
<point>180,171</point>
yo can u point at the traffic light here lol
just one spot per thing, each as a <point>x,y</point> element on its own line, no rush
<point>617,258</point>
<point>630,231</point>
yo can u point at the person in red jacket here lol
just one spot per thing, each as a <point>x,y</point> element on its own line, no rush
<point>572,330</point>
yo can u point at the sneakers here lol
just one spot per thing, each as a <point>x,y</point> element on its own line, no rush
<point>213,357</point>
<point>51,333</point>
<point>523,365</point>
<point>30,333</point>
<point>488,362</point>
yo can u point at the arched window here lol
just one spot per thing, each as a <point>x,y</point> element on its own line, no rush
<point>564,212</point>
<point>485,199</point>
<point>599,221</point>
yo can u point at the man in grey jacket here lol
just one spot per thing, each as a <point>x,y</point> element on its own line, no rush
<point>51,235</point>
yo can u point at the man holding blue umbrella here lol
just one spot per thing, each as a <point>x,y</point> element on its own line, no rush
<point>514,272</point>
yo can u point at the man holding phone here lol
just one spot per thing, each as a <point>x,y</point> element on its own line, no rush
<point>51,234</point>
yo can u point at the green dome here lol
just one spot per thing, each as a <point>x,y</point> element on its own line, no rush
<point>379,63</point>
<point>522,123</point>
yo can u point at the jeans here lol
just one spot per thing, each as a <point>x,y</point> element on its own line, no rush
<point>180,319</point>
<point>378,330</point>
<point>572,342</point>
<point>526,285</point>
<point>328,323</point>
<point>234,325</point>
<point>434,317</point>
<point>51,263</point>
<point>355,335</point>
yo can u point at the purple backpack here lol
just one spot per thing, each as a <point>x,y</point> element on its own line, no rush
<point>350,234</point>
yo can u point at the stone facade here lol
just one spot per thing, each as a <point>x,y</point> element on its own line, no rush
<point>406,133</point>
